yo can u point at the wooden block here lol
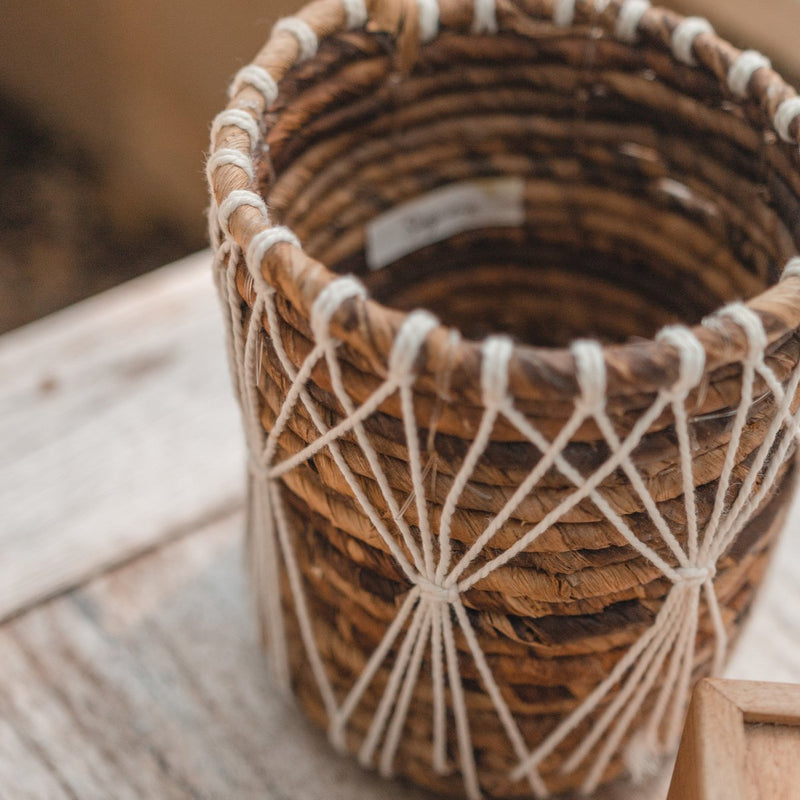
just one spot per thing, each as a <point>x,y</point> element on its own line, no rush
<point>741,741</point>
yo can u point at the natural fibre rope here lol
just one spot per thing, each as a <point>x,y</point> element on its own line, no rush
<point>432,611</point>
<point>438,586</point>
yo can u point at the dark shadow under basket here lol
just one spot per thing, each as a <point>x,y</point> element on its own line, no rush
<point>494,548</point>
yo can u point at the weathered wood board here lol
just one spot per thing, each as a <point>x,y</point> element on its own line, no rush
<point>118,429</point>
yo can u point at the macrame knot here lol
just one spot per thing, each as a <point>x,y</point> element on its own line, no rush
<point>696,575</point>
<point>428,20</point>
<point>743,69</point>
<point>563,13</point>
<point>428,590</point>
<point>228,156</point>
<point>356,13</point>
<point>256,466</point>
<point>235,118</point>
<point>751,324</point>
<point>484,18</point>
<point>257,78</point>
<point>628,19</point>
<point>686,31</point>
<point>792,269</point>
<point>234,201</point>
<point>328,301</point>
<point>590,368</point>
<point>692,357</point>
<point>305,35</point>
<point>497,351</point>
<point>260,245</point>
<point>787,113</point>
<point>410,338</point>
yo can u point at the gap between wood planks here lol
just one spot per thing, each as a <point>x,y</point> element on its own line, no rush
<point>118,431</point>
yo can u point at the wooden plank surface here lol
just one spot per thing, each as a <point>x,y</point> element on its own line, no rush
<point>117,430</point>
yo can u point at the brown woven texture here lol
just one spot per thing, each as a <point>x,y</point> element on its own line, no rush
<point>652,196</point>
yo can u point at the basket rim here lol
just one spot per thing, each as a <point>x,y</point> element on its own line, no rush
<point>534,372</point>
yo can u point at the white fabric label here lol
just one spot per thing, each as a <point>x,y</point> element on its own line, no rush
<point>444,212</point>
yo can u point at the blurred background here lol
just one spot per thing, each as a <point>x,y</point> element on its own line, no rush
<point>105,107</point>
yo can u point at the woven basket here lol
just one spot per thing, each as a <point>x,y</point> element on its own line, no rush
<point>493,549</point>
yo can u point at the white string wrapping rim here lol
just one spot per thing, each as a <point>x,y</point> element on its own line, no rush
<point>629,17</point>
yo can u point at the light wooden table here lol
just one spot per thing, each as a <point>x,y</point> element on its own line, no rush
<point>129,662</point>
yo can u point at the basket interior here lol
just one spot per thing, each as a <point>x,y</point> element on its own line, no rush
<point>649,197</point>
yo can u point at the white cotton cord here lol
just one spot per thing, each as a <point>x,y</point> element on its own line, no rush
<point>266,554</point>
<point>395,730</point>
<point>428,20</point>
<point>720,634</point>
<point>476,450</point>
<point>463,737</point>
<point>684,35</point>
<point>692,357</point>
<point>792,269</point>
<point>422,323</point>
<point>234,201</point>
<point>356,14</point>
<point>439,735</point>
<point>339,721</point>
<point>328,438</point>
<point>644,643</point>
<point>289,403</point>
<point>227,156</point>
<point>584,488</point>
<point>263,242</point>
<point>301,607</point>
<point>753,328</point>
<point>216,235</point>
<point>304,34</point>
<point>407,345</point>
<point>354,422</point>
<point>484,16</point>
<point>563,13</point>
<point>549,457</point>
<point>748,501</point>
<point>628,19</point>
<point>493,690</point>
<point>496,352</point>
<point>590,371</point>
<point>743,69</point>
<point>680,698</point>
<point>628,710</point>
<point>643,748</point>
<point>235,118</point>
<point>787,113</point>
<point>328,302</point>
<point>665,626</point>
<point>692,365</point>
<point>590,365</point>
<point>257,78</point>
<point>751,325</point>
<point>389,697</point>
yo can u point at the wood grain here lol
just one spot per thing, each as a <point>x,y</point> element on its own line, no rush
<point>740,742</point>
<point>118,430</point>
